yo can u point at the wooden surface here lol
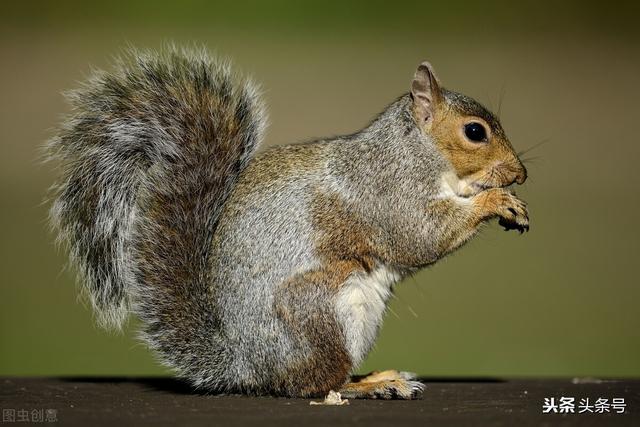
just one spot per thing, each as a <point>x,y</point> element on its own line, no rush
<point>164,401</point>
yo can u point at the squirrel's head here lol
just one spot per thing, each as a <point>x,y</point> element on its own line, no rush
<point>468,135</point>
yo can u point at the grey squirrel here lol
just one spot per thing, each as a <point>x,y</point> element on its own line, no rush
<point>266,273</point>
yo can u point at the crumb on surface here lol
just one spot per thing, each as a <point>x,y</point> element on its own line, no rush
<point>586,380</point>
<point>333,398</point>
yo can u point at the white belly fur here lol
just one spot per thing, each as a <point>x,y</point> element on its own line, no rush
<point>361,303</point>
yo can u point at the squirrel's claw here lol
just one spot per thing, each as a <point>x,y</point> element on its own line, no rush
<point>510,224</point>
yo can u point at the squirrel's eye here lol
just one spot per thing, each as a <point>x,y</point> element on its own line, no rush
<point>475,132</point>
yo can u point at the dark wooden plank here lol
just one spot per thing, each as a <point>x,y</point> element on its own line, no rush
<point>165,401</point>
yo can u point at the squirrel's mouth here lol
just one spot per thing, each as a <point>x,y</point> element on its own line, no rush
<point>471,185</point>
<point>473,188</point>
<point>486,180</point>
<point>479,187</point>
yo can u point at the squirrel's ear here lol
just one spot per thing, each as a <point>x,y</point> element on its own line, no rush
<point>425,92</point>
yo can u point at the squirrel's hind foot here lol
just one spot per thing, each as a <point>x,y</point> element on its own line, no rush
<point>389,384</point>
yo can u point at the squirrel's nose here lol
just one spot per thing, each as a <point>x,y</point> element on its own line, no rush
<point>521,176</point>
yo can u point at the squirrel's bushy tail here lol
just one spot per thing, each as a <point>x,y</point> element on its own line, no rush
<point>148,157</point>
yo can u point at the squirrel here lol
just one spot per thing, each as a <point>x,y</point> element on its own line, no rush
<point>270,272</point>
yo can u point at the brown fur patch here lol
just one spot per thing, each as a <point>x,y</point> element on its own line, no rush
<point>342,240</point>
<point>328,364</point>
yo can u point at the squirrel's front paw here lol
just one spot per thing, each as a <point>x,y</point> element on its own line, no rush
<point>514,214</point>
<point>510,209</point>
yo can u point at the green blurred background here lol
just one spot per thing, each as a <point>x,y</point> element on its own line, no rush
<point>560,300</point>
